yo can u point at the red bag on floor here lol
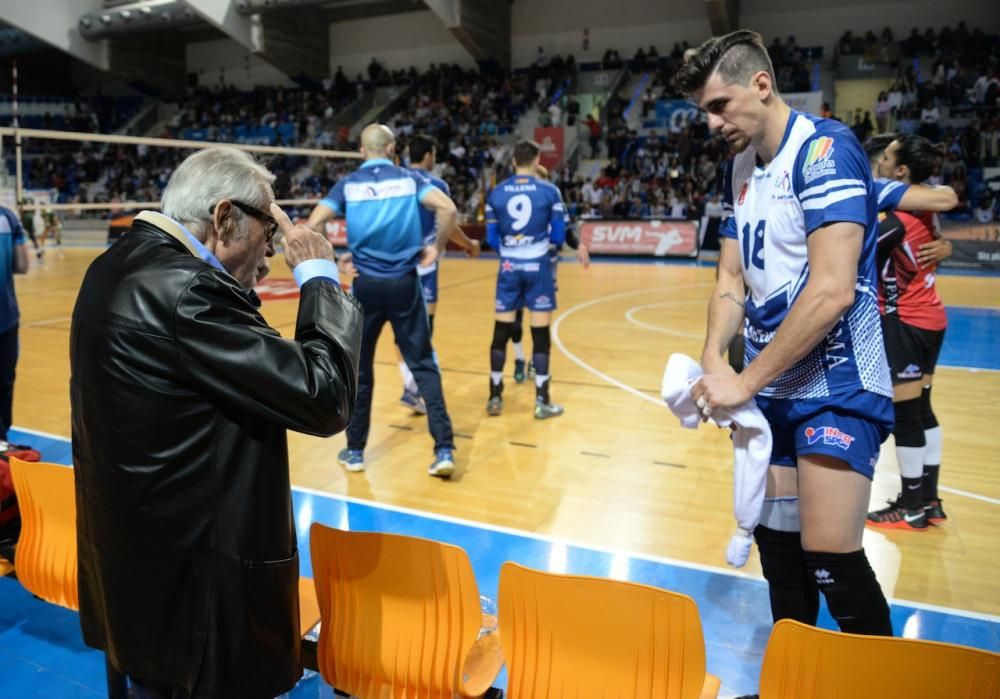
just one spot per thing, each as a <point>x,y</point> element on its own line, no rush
<point>9,511</point>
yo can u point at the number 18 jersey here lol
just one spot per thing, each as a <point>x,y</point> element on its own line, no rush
<point>819,176</point>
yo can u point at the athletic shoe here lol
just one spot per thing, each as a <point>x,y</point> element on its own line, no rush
<point>895,516</point>
<point>935,513</point>
<point>531,370</point>
<point>352,460</point>
<point>518,371</point>
<point>444,464</point>
<point>545,410</point>
<point>495,406</point>
<point>413,401</point>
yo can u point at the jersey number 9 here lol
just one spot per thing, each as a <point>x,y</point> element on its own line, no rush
<point>519,209</point>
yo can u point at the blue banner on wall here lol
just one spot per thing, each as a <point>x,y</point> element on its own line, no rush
<point>283,134</point>
<point>675,114</point>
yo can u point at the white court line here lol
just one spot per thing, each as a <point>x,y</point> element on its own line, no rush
<point>971,369</point>
<point>50,321</point>
<point>599,374</point>
<point>625,387</point>
<point>967,494</point>
<point>546,538</point>
<point>954,491</point>
<point>657,328</point>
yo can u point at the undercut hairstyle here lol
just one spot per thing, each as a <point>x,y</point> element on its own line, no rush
<point>525,153</point>
<point>736,57</point>
<point>420,146</point>
<point>876,145</point>
<point>919,155</point>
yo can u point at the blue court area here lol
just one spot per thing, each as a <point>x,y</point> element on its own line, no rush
<point>972,339</point>
<point>42,653</point>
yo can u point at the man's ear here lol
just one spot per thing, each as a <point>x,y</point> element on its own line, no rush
<point>761,82</point>
<point>224,221</point>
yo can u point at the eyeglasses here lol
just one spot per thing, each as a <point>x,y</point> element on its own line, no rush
<point>270,225</point>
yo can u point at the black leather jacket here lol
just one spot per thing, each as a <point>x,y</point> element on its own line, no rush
<point>181,396</point>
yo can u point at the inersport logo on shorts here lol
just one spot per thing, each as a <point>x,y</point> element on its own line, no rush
<point>831,436</point>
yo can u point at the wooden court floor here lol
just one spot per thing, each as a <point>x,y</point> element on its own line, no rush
<point>616,470</point>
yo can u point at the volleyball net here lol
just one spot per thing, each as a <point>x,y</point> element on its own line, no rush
<point>89,177</point>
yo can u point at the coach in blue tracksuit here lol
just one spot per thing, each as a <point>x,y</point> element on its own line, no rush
<point>382,203</point>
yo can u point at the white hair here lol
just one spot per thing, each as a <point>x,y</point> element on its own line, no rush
<point>211,175</point>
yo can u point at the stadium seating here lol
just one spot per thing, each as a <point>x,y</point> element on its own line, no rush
<point>571,636</point>
<point>804,661</point>
<point>401,617</point>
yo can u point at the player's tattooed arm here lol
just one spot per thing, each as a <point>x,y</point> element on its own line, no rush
<point>732,297</point>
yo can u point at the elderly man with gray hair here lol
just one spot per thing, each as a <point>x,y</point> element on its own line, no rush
<point>181,397</point>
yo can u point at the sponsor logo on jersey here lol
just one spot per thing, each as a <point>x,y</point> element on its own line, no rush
<point>506,266</point>
<point>743,193</point>
<point>519,240</point>
<point>782,188</point>
<point>758,336</point>
<point>818,160</point>
<point>831,436</point>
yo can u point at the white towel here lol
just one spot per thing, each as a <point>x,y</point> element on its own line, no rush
<point>751,448</point>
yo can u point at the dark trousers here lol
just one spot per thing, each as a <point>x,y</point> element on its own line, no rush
<point>399,301</point>
<point>8,362</point>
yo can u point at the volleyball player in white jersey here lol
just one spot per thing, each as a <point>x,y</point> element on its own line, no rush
<point>805,226</point>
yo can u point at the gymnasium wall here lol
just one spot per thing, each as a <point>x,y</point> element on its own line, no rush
<point>815,23</point>
<point>225,59</point>
<point>419,38</point>
<point>396,41</point>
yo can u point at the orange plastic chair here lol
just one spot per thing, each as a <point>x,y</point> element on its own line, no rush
<point>46,549</point>
<point>803,661</point>
<point>574,636</point>
<point>401,617</point>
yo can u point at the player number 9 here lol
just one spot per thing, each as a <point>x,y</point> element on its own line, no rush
<point>519,209</point>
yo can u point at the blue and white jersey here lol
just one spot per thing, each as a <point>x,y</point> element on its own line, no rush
<point>428,221</point>
<point>889,193</point>
<point>819,176</point>
<point>11,235</point>
<point>381,202</point>
<point>523,216</point>
<point>890,196</point>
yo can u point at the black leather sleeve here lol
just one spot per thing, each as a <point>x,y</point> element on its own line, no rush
<point>308,384</point>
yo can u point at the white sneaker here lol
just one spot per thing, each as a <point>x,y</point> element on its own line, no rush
<point>444,464</point>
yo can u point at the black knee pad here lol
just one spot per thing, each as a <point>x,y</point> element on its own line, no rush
<point>541,340</point>
<point>501,333</point>
<point>909,429</point>
<point>852,592</point>
<point>792,588</point>
<point>518,333</point>
<point>927,417</point>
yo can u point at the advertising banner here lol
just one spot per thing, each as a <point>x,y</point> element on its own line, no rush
<point>551,141</point>
<point>653,238</point>
<point>675,114</point>
<point>810,102</point>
